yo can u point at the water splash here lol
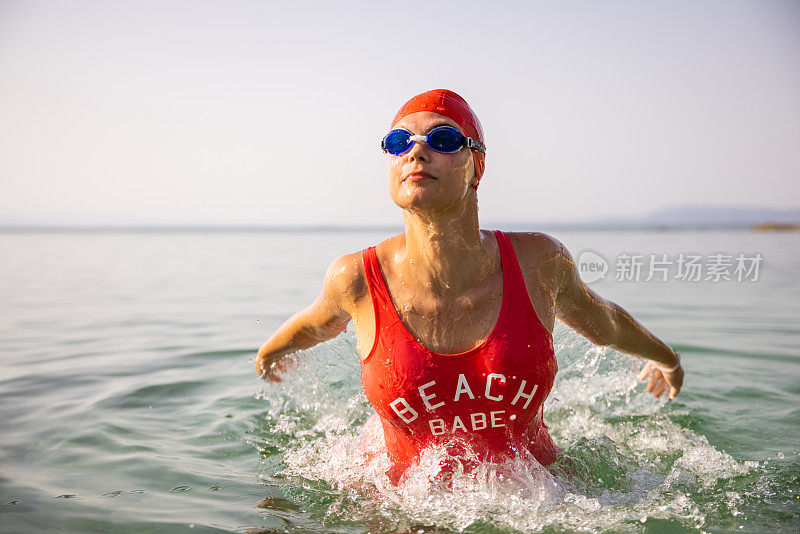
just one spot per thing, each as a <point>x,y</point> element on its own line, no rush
<point>628,462</point>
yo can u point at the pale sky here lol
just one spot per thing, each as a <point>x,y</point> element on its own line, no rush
<point>237,112</point>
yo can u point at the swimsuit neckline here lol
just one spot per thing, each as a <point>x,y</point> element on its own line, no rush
<point>504,268</point>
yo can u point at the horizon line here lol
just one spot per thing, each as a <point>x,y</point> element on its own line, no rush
<point>311,228</point>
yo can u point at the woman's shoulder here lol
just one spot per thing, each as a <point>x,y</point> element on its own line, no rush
<point>345,280</point>
<point>346,276</point>
<point>539,253</point>
<point>389,247</point>
<point>535,243</point>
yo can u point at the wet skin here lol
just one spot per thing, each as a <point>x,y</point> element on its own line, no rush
<point>445,279</point>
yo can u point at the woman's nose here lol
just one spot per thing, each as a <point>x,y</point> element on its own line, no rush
<point>419,150</point>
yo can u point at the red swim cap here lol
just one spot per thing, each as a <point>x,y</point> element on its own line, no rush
<point>449,104</point>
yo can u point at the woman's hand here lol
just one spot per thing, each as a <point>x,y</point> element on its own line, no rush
<point>661,380</point>
<point>274,370</point>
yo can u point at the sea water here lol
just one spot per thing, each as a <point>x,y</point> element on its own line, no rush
<point>130,402</point>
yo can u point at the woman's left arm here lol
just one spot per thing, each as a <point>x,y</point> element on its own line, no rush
<point>605,323</point>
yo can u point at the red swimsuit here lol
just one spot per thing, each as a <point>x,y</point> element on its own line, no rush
<point>488,398</point>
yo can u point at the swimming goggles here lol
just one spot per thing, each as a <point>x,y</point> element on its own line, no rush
<point>444,139</point>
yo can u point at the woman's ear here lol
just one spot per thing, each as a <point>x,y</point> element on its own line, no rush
<point>474,181</point>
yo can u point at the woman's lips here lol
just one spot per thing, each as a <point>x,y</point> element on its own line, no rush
<point>417,176</point>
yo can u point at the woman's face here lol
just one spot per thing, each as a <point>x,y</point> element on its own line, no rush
<point>423,179</point>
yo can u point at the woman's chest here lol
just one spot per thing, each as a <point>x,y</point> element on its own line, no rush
<point>450,326</point>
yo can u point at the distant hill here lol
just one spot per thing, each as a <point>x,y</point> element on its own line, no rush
<point>685,217</point>
<point>712,216</point>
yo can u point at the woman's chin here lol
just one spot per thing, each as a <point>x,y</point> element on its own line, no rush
<point>417,199</point>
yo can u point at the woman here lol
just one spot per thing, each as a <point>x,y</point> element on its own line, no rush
<point>454,323</point>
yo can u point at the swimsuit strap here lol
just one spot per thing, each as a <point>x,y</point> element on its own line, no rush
<point>381,299</point>
<point>519,301</point>
<point>513,280</point>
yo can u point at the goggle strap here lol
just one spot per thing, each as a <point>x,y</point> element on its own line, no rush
<point>473,144</point>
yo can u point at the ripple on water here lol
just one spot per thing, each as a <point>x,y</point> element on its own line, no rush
<point>161,395</point>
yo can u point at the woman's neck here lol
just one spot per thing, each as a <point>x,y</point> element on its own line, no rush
<point>445,253</point>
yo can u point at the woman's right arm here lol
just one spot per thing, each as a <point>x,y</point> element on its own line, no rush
<point>326,318</point>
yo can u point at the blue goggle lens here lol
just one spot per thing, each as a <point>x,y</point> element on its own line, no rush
<point>445,139</point>
<point>396,142</point>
